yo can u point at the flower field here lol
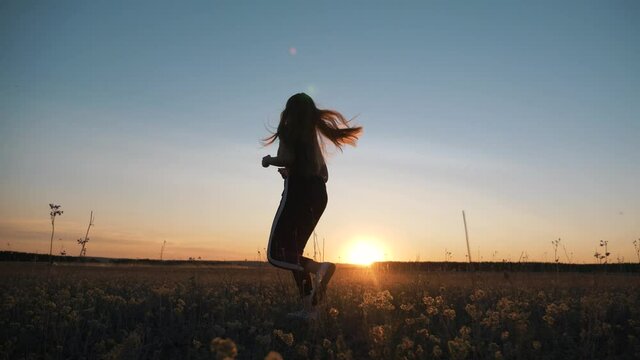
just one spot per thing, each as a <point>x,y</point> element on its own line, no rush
<point>78,311</point>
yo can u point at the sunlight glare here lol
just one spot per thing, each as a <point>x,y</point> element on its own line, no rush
<point>365,253</point>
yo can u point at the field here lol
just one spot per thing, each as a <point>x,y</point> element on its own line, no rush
<point>75,311</point>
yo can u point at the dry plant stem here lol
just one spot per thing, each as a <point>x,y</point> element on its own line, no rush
<point>165,243</point>
<point>53,227</point>
<point>83,242</point>
<point>55,210</point>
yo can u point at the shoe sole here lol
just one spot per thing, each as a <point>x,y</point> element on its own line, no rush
<point>302,317</point>
<point>322,287</point>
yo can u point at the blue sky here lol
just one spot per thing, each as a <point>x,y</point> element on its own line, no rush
<point>150,113</point>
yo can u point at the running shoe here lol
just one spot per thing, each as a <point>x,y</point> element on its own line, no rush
<point>303,314</point>
<point>308,311</point>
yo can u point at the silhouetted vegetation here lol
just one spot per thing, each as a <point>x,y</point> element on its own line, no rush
<point>506,267</point>
<point>381,266</point>
<point>108,311</point>
<point>55,211</point>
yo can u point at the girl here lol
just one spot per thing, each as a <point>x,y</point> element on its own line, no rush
<point>301,134</point>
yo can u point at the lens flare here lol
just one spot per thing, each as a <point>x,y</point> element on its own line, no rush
<point>311,89</point>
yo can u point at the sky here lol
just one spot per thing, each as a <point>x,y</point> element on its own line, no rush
<point>150,113</point>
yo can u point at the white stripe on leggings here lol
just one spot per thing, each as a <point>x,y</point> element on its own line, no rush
<point>278,263</point>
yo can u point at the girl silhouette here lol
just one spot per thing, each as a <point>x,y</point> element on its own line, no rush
<point>301,133</point>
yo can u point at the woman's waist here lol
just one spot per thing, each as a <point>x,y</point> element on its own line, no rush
<point>305,178</point>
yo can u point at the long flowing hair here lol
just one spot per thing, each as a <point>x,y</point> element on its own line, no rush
<point>304,127</point>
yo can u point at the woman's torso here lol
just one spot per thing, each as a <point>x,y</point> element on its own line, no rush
<point>308,161</point>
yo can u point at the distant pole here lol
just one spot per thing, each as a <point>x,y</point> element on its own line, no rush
<point>322,249</point>
<point>466,234</point>
<point>162,249</point>
<point>314,246</point>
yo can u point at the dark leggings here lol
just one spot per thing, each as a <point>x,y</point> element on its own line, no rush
<point>303,202</point>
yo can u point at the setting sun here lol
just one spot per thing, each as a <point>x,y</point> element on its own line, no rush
<point>364,253</point>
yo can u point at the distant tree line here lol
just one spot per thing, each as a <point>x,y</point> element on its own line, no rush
<point>505,266</point>
<point>31,257</point>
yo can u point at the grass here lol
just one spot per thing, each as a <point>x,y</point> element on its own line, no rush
<point>203,312</point>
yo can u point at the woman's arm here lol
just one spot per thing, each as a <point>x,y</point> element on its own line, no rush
<point>284,158</point>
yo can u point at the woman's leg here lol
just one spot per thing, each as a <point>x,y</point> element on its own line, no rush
<point>282,250</point>
<point>299,212</point>
<point>303,282</point>
<point>285,248</point>
<point>308,219</point>
<point>305,228</point>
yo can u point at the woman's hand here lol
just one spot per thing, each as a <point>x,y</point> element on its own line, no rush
<point>266,161</point>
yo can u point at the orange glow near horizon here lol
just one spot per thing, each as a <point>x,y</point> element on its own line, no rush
<point>364,253</point>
